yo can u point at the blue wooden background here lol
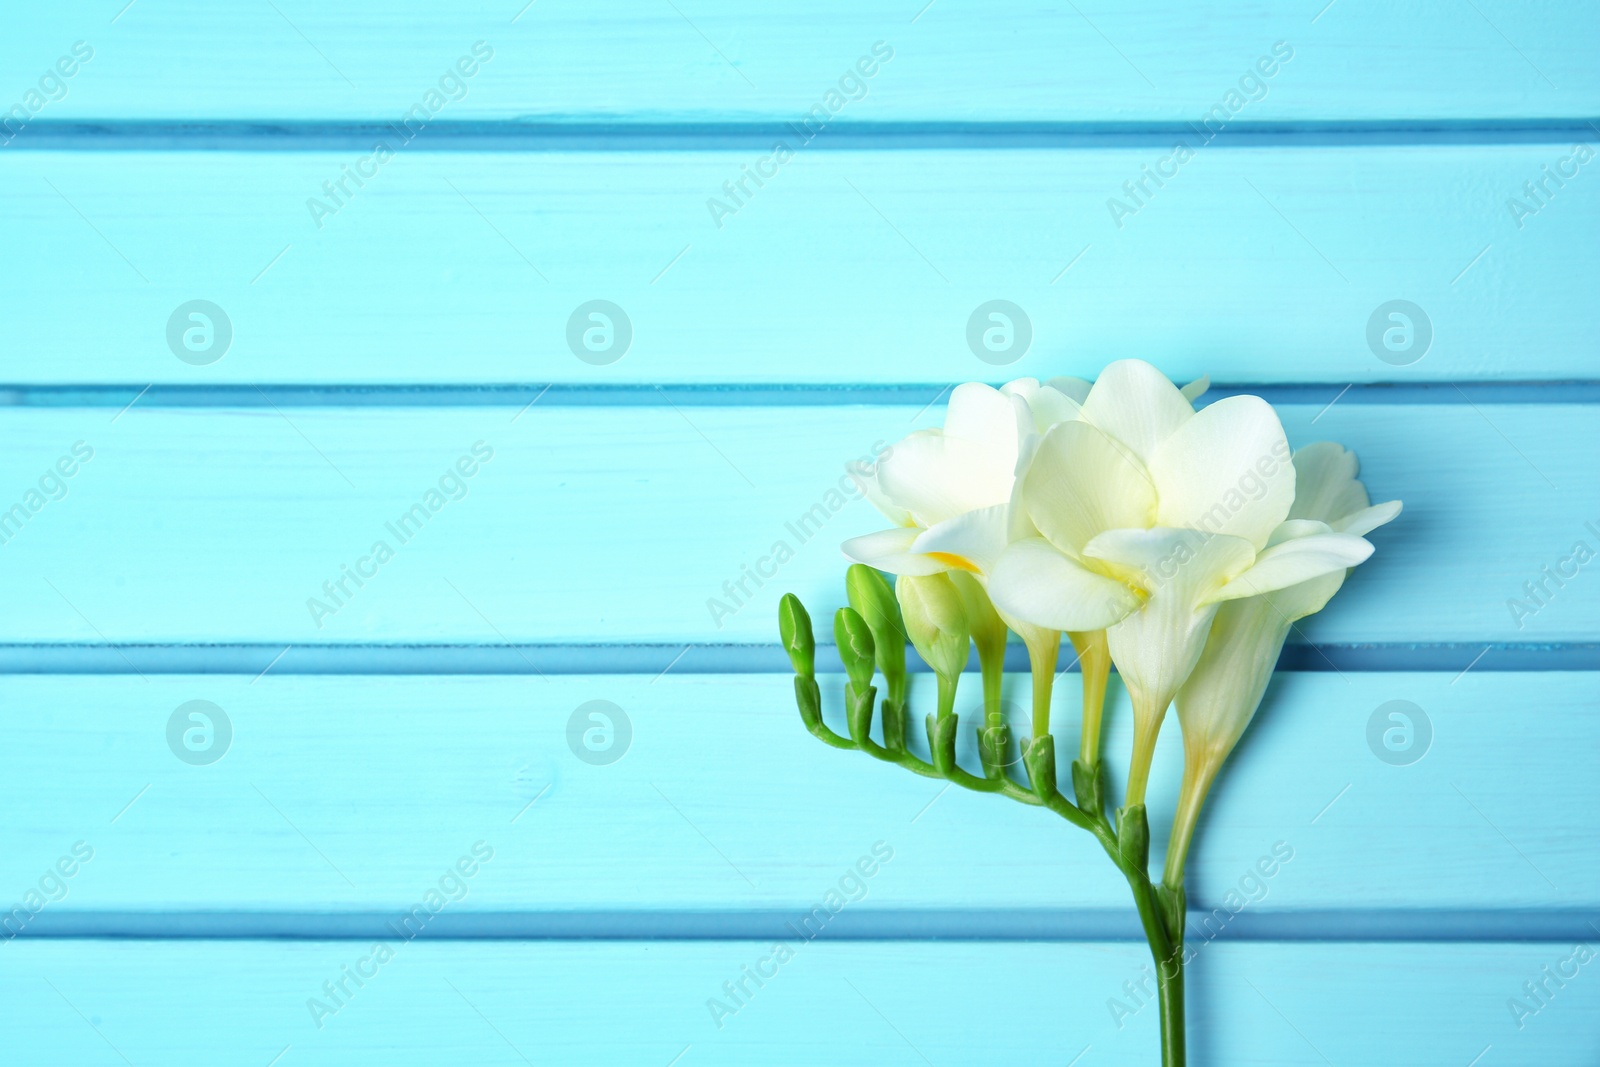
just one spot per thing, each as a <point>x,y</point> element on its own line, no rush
<point>413,325</point>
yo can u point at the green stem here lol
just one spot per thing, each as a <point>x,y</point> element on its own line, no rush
<point>1166,949</point>
<point>1169,989</point>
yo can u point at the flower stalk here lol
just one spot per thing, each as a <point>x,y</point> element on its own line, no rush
<point>1127,843</point>
<point>1177,542</point>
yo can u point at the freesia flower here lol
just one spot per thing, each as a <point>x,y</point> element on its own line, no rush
<point>950,492</point>
<point>1149,515</point>
<point>1183,544</point>
<point>1225,689</point>
<point>954,483</point>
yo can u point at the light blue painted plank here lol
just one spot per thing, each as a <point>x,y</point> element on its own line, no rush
<point>1251,265</point>
<point>645,1003</point>
<point>719,59</point>
<point>338,802</point>
<point>624,525</point>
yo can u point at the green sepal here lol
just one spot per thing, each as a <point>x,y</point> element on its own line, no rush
<point>1039,755</point>
<point>1088,785</point>
<point>1174,905</point>
<point>794,625</point>
<point>894,726</point>
<point>859,712</point>
<point>854,638</point>
<point>942,742</point>
<point>994,742</point>
<point>1133,838</point>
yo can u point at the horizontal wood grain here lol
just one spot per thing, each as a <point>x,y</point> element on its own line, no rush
<point>631,525</point>
<point>339,802</point>
<point>645,1003</point>
<point>846,267</point>
<point>711,59</point>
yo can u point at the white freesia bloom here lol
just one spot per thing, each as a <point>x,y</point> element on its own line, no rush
<point>952,492</point>
<point>949,487</point>
<point>948,490</point>
<point>1223,692</point>
<point>1149,515</point>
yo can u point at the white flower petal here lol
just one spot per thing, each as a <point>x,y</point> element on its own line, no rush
<point>1196,389</point>
<point>1289,529</point>
<point>866,478</point>
<point>1075,389</point>
<point>1222,693</point>
<point>986,417</point>
<point>1156,647</point>
<point>1325,483</point>
<point>1036,583</point>
<point>1049,406</point>
<point>972,542</point>
<point>937,478</point>
<point>1226,471</point>
<point>1081,482</point>
<point>1296,601</point>
<point>890,550</point>
<point>1137,405</point>
<point>1169,558</point>
<point>1366,520</point>
<point>1295,561</point>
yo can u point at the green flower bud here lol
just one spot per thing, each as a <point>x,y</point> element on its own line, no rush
<point>794,625</point>
<point>874,601</point>
<point>854,638</point>
<point>936,622</point>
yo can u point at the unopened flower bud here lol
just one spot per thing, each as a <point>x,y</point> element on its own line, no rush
<point>936,621</point>
<point>874,601</point>
<point>854,639</point>
<point>794,625</point>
